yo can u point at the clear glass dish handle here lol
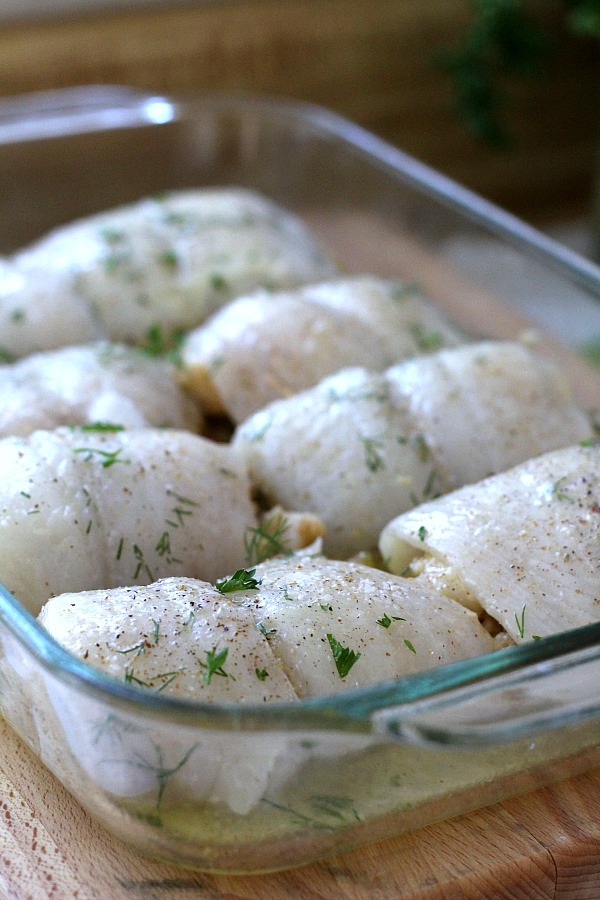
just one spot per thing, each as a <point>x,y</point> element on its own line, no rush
<point>79,109</point>
<point>515,705</point>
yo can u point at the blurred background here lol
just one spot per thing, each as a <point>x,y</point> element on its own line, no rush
<point>501,95</point>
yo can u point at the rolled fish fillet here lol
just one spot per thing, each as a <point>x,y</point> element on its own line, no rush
<point>99,382</point>
<point>523,545</point>
<point>488,406</point>
<point>269,345</point>
<point>164,262</point>
<point>308,626</point>
<point>337,625</point>
<point>83,509</point>
<point>361,447</point>
<point>179,637</point>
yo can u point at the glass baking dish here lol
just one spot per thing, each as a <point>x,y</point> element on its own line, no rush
<point>241,788</point>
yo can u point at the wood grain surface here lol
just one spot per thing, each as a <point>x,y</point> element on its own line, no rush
<point>375,61</point>
<point>540,846</point>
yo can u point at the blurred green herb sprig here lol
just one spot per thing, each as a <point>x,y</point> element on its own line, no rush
<point>506,38</point>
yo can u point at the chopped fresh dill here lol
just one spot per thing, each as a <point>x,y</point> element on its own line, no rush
<point>137,648</point>
<point>163,548</point>
<point>99,426</point>
<point>264,630</point>
<point>421,447</point>
<point>373,457</point>
<point>214,665</point>
<point>520,620</point>
<point>108,457</point>
<point>217,281</point>
<point>141,563</point>
<point>159,343</point>
<point>168,259</point>
<point>425,340</point>
<point>112,236</point>
<point>130,678</point>
<point>180,511</point>
<point>267,539</point>
<point>557,490</point>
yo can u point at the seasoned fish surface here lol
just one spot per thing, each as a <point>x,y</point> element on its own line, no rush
<point>100,382</point>
<point>81,510</point>
<point>524,545</point>
<point>360,447</point>
<point>269,345</point>
<point>165,262</point>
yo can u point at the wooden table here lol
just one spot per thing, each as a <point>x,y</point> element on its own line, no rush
<point>541,845</point>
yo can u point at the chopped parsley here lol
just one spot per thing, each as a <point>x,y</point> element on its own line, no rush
<point>343,657</point>
<point>242,580</point>
<point>386,620</point>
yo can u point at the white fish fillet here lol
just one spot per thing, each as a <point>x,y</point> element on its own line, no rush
<point>82,510</point>
<point>166,261</point>
<point>487,406</point>
<point>360,448</point>
<point>98,382</point>
<point>269,345</point>
<point>523,544</point>
<point>273,645</point>
<point>394,626</point>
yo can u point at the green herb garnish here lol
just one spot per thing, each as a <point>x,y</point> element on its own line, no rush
<point>343,657</point>
<point>109,427</point>
<point>108,457</point>
<point>214,664</point>
<point>242,580</point>
<point>520,620</point>
<point>386,620</point>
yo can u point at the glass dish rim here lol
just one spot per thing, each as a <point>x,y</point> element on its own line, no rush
<point>348,711</point>
<point>69,111</point>
<point>63,112</point>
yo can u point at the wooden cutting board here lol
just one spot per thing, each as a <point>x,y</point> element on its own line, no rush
<point>541,845</point>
